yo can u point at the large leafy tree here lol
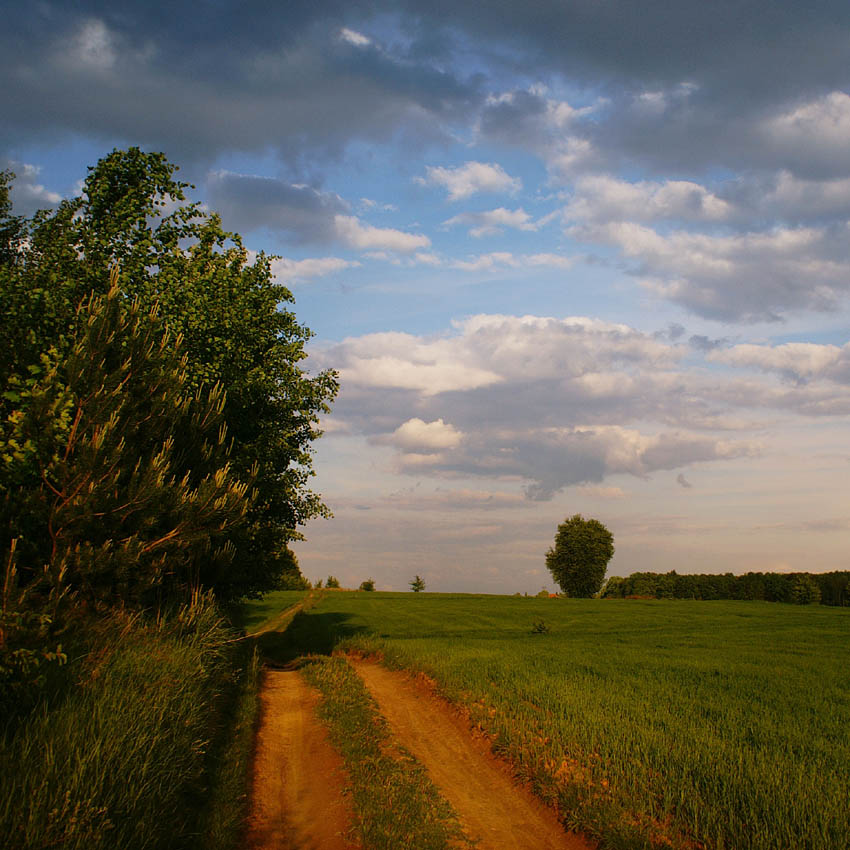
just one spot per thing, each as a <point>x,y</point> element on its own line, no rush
<point>225,306</point>
<point>580,556</point>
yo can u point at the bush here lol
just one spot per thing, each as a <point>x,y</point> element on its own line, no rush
<point>369,584</point>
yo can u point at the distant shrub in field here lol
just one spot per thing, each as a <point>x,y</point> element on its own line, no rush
<point>369,584</point>
<point>332,581</point>
<point>542,593</point>
<point>539,627</point>
<point>418,584</point>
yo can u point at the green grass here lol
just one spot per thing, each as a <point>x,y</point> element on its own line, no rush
<point>642,721</point>
<point>395,803</point>
<point>127,754</point>
<point>255,614</point>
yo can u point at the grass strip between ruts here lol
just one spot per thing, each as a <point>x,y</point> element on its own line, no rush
<point>395,803</point>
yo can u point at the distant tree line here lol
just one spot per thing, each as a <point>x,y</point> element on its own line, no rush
<point>800,588</point>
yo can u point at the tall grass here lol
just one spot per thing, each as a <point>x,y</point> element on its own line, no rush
<point>121,760</point>
<point>646,722</point>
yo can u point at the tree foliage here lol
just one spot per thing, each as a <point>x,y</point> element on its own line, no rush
<point>417,585</point>
<point>580,556</point>
<point>831,588</point>
<point>178,384</point>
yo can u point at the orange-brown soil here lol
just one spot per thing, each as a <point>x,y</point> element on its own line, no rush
<point>491,807</point>
<point>297,798</point>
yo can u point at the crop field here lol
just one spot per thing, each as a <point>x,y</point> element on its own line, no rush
<point>714,724</point>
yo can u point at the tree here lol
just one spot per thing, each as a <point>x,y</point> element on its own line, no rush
<point>115,482</point>
<point>369,584</point>
<point>418,584</point>
<point>332,582</point>
<point>223,304</point>
<point>580,556</point>
<point>805,590</point>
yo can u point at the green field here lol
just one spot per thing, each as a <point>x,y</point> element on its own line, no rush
<point>645,722</point>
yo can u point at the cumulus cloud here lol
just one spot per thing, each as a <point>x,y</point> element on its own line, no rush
<point>603,198</point>
<point>797,361</point>
<point>492,222</point>
<point>747,277</point>
<point>415,435</point>
<point>470,178</point>
<point>365,237</point>
<point>527,398</point>
<point>818,129</point>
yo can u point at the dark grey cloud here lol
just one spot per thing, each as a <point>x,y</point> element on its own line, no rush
<point>247,202</point>
<point>197,79</point>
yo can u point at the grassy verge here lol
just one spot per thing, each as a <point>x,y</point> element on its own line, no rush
<point>123,759</point>
<point>226,806</point>
<point>395,803</point>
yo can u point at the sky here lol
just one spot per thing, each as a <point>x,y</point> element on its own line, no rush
<point>567,256</point>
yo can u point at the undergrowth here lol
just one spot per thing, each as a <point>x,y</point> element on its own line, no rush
<point>126,754</point>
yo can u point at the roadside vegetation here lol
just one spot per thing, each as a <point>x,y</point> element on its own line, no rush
<point>155,455</point>
<point>149,721</point>
<point>645,723</point>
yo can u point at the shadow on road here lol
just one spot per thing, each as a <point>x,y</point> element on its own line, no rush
<point>308,633</point>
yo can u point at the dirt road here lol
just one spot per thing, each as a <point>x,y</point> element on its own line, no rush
<point>491,807</point>
<point>297,800</point>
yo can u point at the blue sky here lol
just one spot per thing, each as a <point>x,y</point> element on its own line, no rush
<point>567,257</point>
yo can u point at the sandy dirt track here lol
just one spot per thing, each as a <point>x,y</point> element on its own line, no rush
<point>491,807</point>
<point>297,801</point>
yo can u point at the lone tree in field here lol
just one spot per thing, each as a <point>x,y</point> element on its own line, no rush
<point>417,584</point>
<point>580,556</point>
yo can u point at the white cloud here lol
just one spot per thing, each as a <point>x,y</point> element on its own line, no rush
<point>820,128</point>
<point>353,37</point>
<point>493,221</point>
<point>505,259</point>
<point>557,261</point>
<point>93,47</point>
<point>415,435</point>
<point>471,177</point>
<point>27,194</point>
<point>603,198</point>
<point>486,262</point>
<point>751,276</point>
<point>793,197</point>
<point>366,237</point>
<point>285,269</point>
<point>801,361</point>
